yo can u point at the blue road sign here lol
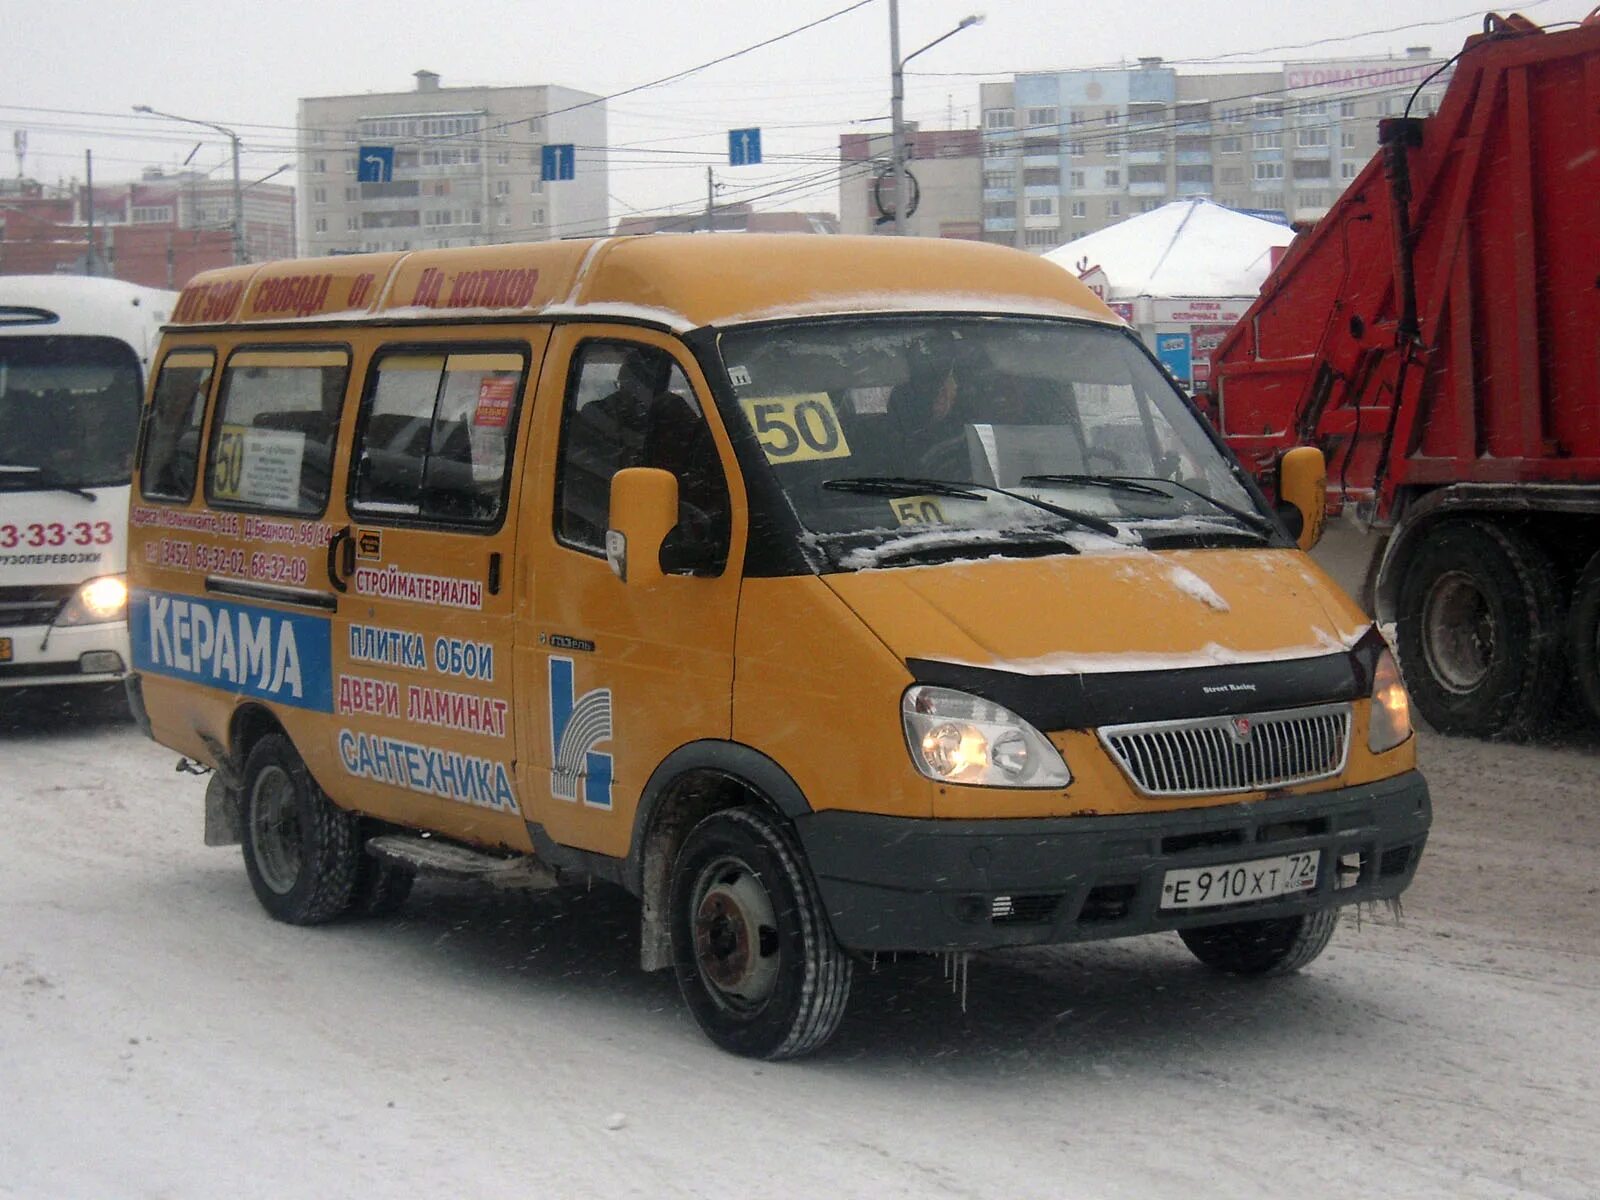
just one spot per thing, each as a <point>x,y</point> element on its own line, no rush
<point>557,161</point>
<point>375,164</point>
<point>744,147</point>
<point>1173,350</point>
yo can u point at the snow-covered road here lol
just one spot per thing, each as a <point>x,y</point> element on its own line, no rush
<point>161,1037</point>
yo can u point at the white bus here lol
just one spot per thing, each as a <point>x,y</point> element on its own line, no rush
<point>73,356</point>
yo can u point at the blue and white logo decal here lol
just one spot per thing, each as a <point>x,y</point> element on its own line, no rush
<point>577,726</point>
<point>281,656</point>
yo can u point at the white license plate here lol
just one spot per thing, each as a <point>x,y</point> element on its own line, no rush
<point>1239,883</point>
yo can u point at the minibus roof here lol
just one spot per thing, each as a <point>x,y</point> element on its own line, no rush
<point>676,281</point>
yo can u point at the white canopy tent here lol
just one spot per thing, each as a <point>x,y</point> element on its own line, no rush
<point>1182,275</point>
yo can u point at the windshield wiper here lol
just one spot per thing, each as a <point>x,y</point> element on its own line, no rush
<point>1142,484</point>
<point>928,548</point>
<point>42,476</point>
<point>900,485</point>
<point>906,485</point>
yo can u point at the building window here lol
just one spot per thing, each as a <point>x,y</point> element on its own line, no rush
<point>1230,145</point>
<point>1313,199</point>
<point>502,187</point>
<point>1272,140</point>
<point>1000,209</point>
<point>152,215</point>
<point>1271,200</point>
<point>1269,170</point>
<point>349,164</point>
<point>1042,237</point>
<point>502,158</point>
<point>1347,108</point>
<point>1113,147</point>
<point>1113,117</point>
<point>1113,208</point>
<point>351,224</point>
<point>1313,108</point>
<point>1194,174</point>
<point>1317,135</point>
<point>1042,177</point>
<point>1113,177</point>
<point>1193,114</point>
<point>1268,110</point>
<point>1041,206</point>
<point>1075,149</point>
<point>1075,117</point>
<point>1076,180</point>
<point>1349,170</point>
<point>1080,209</point>
<point>1041,145</point>
<point>319,195</point>
<point>1317,168</point>
<point>999,179</point>
<point>1045,116</point>
<point>1232,175</point>
<point>1147,175</point>
<point>999,118</point>
<point>321,225</point>
<point>1347,140</point>
<point>319,166</point>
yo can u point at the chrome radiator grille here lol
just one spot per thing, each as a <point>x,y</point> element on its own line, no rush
<point>1244,753</point>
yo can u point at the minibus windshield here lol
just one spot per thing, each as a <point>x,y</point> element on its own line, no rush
<point>69,412</point>
<point>1004,434</point>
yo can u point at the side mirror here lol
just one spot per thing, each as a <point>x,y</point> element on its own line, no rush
<point>644,508</point>
<point>1303,487</point>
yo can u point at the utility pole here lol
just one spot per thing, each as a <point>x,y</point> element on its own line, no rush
<point>897,103</point>
<point>239,254</point>
<point>88,172</point>
<point>897,133</point>
<point>711,202</point>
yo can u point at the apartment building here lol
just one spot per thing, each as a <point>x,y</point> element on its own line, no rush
<point>1071,152</point>
<point>466,167</point>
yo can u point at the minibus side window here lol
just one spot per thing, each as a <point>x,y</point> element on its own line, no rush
<point>277,420</point>
<point>172,432</point>
<point>436,434</point>
<point>632,406</point>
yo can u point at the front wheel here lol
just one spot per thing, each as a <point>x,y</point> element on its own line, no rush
<point>755,958</point>
<point>300,850</point>
<point>1272,947</point>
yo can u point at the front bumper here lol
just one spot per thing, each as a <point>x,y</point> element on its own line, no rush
<point>42,655</point>
<point>890,883</point>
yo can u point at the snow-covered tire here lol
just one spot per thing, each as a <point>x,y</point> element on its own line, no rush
<point>381,888</point>
<point>1480,626</point>
<point>1583,633</point>
<point>755,956</point>
<point>1272,947</point>
<point>300,850</point>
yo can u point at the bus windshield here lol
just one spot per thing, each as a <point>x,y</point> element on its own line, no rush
<point>69,411</point>
<point>934,434</point>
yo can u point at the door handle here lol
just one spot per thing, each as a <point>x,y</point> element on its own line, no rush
<point>341,558</point>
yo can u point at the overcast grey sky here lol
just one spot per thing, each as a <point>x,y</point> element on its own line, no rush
<point>72,69</point>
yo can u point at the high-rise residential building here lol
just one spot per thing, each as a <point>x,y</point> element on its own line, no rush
<point>943,167</point>
<point>1066,153</point>
<point>466,167</point>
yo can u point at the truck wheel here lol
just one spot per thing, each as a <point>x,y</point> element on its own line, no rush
<point>751,946</point>
<point>1584,634</point>
<point>1273,947</point>
<point>300,851</point>
<point>1479,625</point>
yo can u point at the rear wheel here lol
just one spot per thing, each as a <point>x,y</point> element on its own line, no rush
<point>1584,634</point>
<point>300,850</point>
<point>753,952</point>
<point>1479,627</point>
<point>1272,947</point>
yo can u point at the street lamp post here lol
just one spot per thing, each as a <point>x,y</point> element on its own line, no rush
<point>897,101</point>
<point>239,255</point>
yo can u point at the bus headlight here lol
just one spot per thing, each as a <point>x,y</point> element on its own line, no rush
<point>959,738</point>
<point>96,602</point>
<point>1389,723</point>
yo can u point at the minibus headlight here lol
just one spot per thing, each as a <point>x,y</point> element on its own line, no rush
<point>96,602</point>
<point>958,738</point>
<point>1390,721</point>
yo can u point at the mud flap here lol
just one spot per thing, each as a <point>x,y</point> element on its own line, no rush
<point>222,812</point>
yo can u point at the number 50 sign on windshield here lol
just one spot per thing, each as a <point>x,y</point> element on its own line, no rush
<point>797,428</point>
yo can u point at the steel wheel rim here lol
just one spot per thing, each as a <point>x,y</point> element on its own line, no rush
<point>275,832</point>
<point>735,927</point>
<point>1458,632</point>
